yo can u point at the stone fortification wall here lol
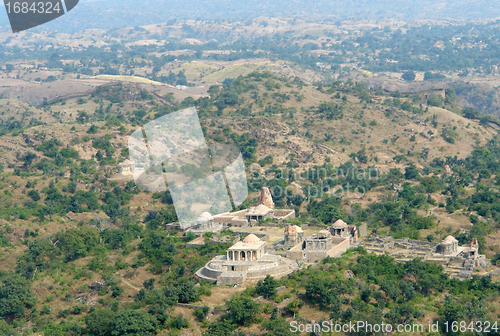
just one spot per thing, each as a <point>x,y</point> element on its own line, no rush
<point>239,222</point>
<point>362,230</point>
<point>339,249</point>
<point>284,214</point>
<point>315,256</point>
<point>231,278</point>
<point>295,253</point>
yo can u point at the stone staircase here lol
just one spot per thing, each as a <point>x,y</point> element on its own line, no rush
<point>467,269</point>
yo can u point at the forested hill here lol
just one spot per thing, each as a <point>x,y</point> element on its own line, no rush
<point>121,13</point>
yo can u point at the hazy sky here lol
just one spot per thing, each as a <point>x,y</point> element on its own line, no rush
<point>121,13</point>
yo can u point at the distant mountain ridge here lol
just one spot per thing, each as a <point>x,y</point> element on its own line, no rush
<point>108,14</point>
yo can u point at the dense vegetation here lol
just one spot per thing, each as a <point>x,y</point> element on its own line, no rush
<point>120,240</point>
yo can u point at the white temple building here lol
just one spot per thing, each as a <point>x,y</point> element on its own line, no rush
<point>246,260</point>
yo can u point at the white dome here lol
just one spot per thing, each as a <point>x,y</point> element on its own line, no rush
<point>324,234</point>
<point>339,224</point>
<point>449,240</point>
<point>205,217</point>
<point>251,238</point>
<point>261,209</point>
<point>293,229</point>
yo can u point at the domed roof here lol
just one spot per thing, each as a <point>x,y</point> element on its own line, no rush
<point>449,240</point>
<point>324,233</point>
<point>293,229</point>
<point>261,209</point>
<point>205,216</point>
<point>251,238</point>
<point>339,224</point>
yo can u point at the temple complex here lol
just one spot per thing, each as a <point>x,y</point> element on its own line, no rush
<point>250,258</point>
<point>331,242</point>
<point>245,260</point>
<point>458,261</point>
<point>319,246</point>
<point>247,217</point>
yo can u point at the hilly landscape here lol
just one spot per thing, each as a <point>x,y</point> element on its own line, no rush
<point>351,120</point>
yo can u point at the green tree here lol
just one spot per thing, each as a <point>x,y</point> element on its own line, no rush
<point>201,312</point>
<point>496,259</point>
<point>6,329</point>
<point>470,113</point>
<point>411,172</point>
<point>28,159</point>
<point>277,326</point>
<point>41,255</point>
<point>220,328</point>
<point>93,129</point>
<point>190,236</point>
<point>408,76</point>
<point>187,292</point>
<point>133,323</point>
<point>435,100</point>
<point>15,296</point>
<point>267,288</point>
<point>35,196</point>
<point>242,311</point>
<point>294,306</point>
<point>99,322</point>
<point>77,242</point>
<point>149,284</point>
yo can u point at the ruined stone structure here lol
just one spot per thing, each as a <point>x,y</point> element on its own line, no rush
<point>437,91</point>
<point>473,260</point>
<point>331,242</point>
<point>449,246</point>
<point>241,218</point>
<point>447,172</point>
<point>458,261</point>
<point>319,246</point>
<point>320,241</point>
<point>340,229</point>
<point>293,235</point>
<point>362,230</point>
<point>205,223</point>
<point>125,168</point>
<point>260,212</point>
<point>245,260</point>
<point>266,198</point>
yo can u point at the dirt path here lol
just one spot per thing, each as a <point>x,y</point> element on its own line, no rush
<point>129,284</point>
